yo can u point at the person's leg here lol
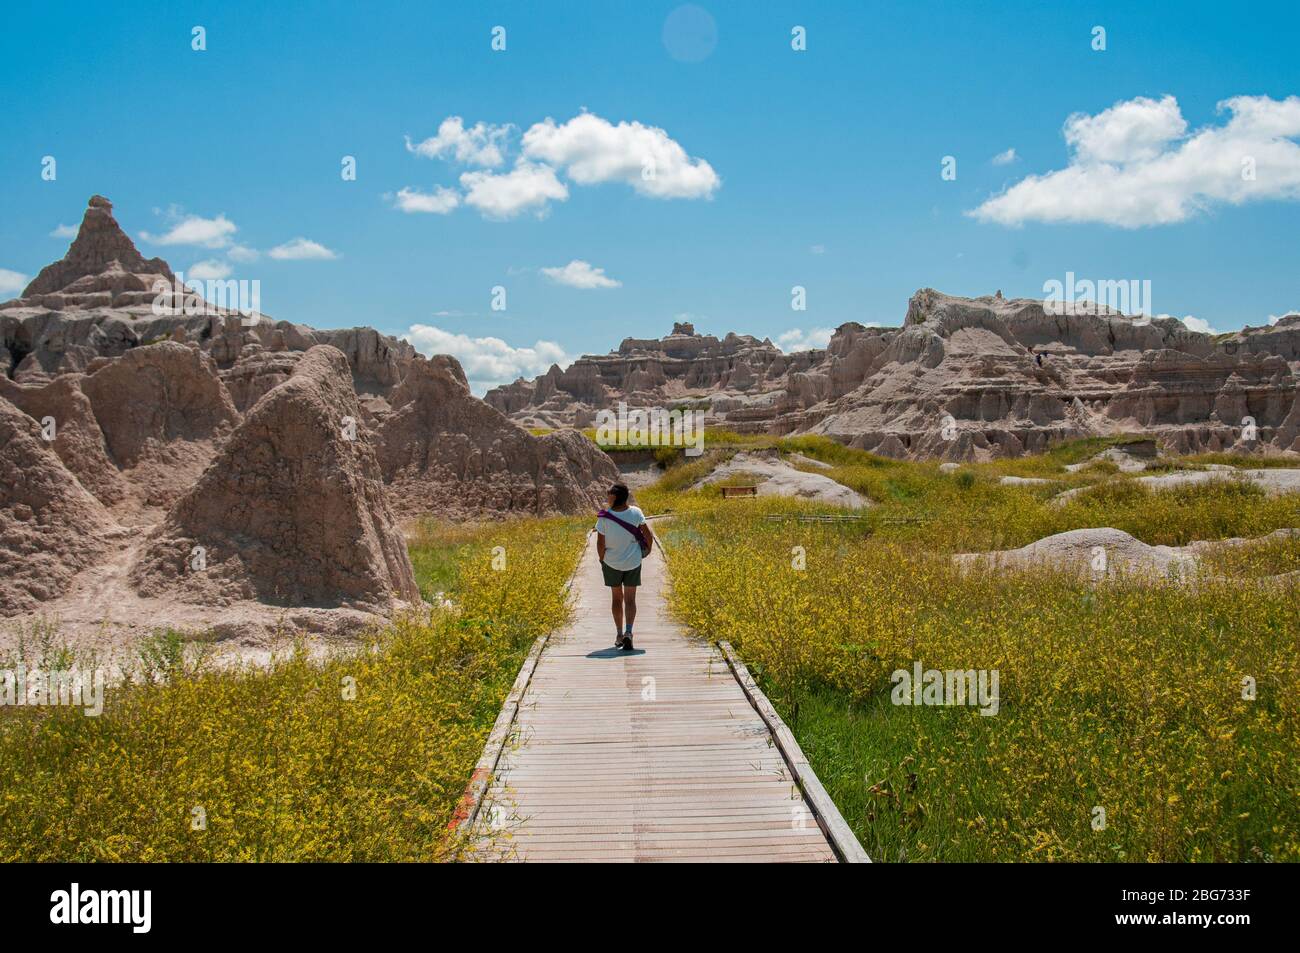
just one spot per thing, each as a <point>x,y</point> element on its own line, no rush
<point>629,606</point>
<point>617,593</point>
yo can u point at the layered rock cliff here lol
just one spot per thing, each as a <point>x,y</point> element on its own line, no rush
<point>962,378</point>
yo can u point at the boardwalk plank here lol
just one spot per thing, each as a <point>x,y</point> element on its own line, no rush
<point>605,766</point>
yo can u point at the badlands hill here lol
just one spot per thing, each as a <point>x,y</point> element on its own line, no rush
<point>168,462</point>
<point>961,379</point>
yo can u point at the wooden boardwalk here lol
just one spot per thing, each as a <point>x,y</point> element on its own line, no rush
<point>654,755</point>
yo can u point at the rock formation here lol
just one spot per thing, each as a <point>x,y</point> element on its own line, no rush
<point>962,379</point>
<point>672,371</point>
<point>1106,554</point>
<point>774,476</point>
<point>101,268</point>
<point>163,412</point>
<point>137,430</point>
<point>444,451</point>
<point>155,356</point>
<point>291,512</point>
<point>188,434</point>
<point>78,440</point>
<point>50,527</point>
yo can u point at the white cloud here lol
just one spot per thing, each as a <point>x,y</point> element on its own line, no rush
<point>438,202</point>
<point>488,361</point>
<point>196,230</point>
<point>1134,165</point>
<point>1193,323</point>
<point>592,150</point>
<point>1275,318</point>
<point>208,268</point>
<point>580,274</point>
<point>587,149</point>
<point>818,249</point>
<point>64,231</point>
<point>797,339</point>
<point>12,281</point>
<point>528,186</point>
<point>301,249</point>
<point>1133,131</point>
<point>243,254</point>
<point>1005,158</point>
<point>481,144</point>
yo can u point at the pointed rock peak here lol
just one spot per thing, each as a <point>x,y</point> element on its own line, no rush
<point>292,511</point>
<point>100,247</point>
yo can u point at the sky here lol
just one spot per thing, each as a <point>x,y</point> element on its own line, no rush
<point>538,180</point>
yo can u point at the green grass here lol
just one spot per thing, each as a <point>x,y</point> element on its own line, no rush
<point>359,754</point>
<point>1127,696</point>
<point>1269,557</point>
<point>1240,460</point>
<point>438,549</point>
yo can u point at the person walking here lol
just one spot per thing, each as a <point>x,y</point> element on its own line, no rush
<point>623,540</point>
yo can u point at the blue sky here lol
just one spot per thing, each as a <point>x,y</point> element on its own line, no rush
<point>819,168</point>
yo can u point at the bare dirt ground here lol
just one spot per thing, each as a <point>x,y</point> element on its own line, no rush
<point>101,613</point>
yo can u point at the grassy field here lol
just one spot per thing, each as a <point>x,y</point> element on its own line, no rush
<point>1139,720</point>
<point>1122,731</point>
<point>360,757</point>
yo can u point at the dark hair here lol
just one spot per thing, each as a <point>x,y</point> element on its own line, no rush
<point>620,493</point>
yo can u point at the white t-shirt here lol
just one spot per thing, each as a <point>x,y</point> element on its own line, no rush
<point>622,551</point>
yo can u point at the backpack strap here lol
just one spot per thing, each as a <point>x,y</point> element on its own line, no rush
<point>637,533</point>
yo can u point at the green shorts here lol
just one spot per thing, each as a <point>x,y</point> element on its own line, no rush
<point>621,577</point>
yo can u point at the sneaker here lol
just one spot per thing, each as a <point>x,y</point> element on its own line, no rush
<point>618,641</point>
<point>627,643</point>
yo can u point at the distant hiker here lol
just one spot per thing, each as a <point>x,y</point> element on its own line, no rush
<point>623,537</point>
<point>1039,355</point>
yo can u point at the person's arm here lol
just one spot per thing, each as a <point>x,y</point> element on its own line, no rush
<point>600,546</point>
<point>650,534</point>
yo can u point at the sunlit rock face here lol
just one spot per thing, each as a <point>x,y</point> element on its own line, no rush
<point>962,378</point>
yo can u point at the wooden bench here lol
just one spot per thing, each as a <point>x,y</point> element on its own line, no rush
<point>729,491</point>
